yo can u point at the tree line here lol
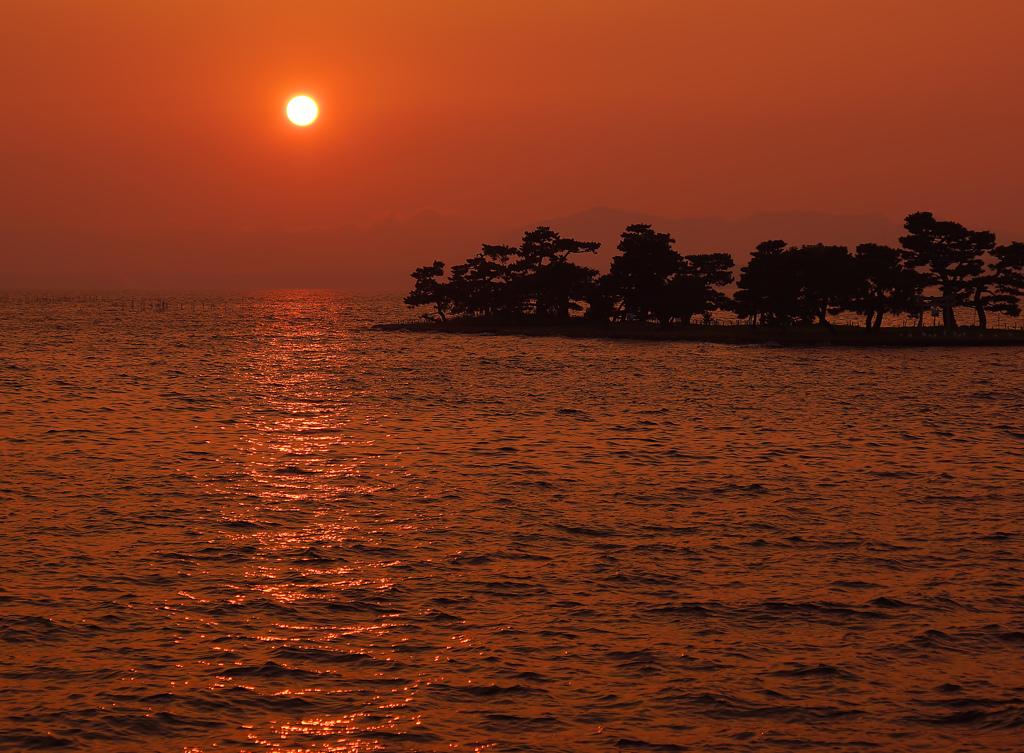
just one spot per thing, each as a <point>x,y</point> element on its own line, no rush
<point>939,264</point>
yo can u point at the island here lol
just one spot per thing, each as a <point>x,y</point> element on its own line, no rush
<point>786,295</point>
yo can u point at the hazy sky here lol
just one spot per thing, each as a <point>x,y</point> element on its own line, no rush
<point>127,117</point>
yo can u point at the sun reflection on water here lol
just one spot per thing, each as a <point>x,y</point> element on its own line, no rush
<point>317,551</point>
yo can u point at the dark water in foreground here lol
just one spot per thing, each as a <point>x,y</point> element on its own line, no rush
<point>262,526</point>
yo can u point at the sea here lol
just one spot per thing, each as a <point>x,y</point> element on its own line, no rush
<point>257,523</point>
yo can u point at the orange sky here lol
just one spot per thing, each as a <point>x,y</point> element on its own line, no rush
<point>128,118</point>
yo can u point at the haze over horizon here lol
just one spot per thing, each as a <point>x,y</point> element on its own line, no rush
<point>148,146</point>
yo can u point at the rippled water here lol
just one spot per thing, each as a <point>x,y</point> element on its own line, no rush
<point>256,524</point>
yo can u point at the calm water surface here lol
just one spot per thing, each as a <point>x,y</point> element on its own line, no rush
<point>256,524</point>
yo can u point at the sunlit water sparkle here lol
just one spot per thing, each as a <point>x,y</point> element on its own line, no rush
<point>253,523</point>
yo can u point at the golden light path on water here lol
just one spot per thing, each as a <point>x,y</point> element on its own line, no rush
<point>268,527</point>
<point>300,454</point>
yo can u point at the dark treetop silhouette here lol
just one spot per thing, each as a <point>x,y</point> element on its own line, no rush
<point>780,286</point>
<point>953,260</point>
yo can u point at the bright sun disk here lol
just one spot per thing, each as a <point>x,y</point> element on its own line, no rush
<point>302,110</point>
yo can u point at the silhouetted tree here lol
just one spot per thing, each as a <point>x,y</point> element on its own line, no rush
<point>824,280</point>
<point>650,279</point>
<point>641,271</point>
<point>883,285</point>
<point>508,282</point>
<point>429,290</point>
<point>766,290</point>
<point>481,287</point>
<point>540,274</point>
<point>1000,288</point>
<point>780,285</point>
<point>805,284</point>
<point>559,286</point>
<point>951,255</point>
<point>602,300</point>
<point>693,289</point>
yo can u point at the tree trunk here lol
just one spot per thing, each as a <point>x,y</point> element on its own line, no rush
<point>822,319</point>
<point>948,317</point>
<point>948,293</point>
<point>878,319</point>
<point>979,306</point>
<point>867,323</point>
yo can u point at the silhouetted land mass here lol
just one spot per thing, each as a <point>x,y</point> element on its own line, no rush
<point>728,335</point>
<point>785,293</point>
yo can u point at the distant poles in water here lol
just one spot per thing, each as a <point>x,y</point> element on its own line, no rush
<point>131,303</point>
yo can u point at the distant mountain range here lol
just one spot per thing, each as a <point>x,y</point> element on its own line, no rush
<point>381,256</point>
<point>739,238</point>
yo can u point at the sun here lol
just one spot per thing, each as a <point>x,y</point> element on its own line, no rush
<point>302,110</point>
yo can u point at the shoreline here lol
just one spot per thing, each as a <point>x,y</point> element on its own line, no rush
<point>797,336</point>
